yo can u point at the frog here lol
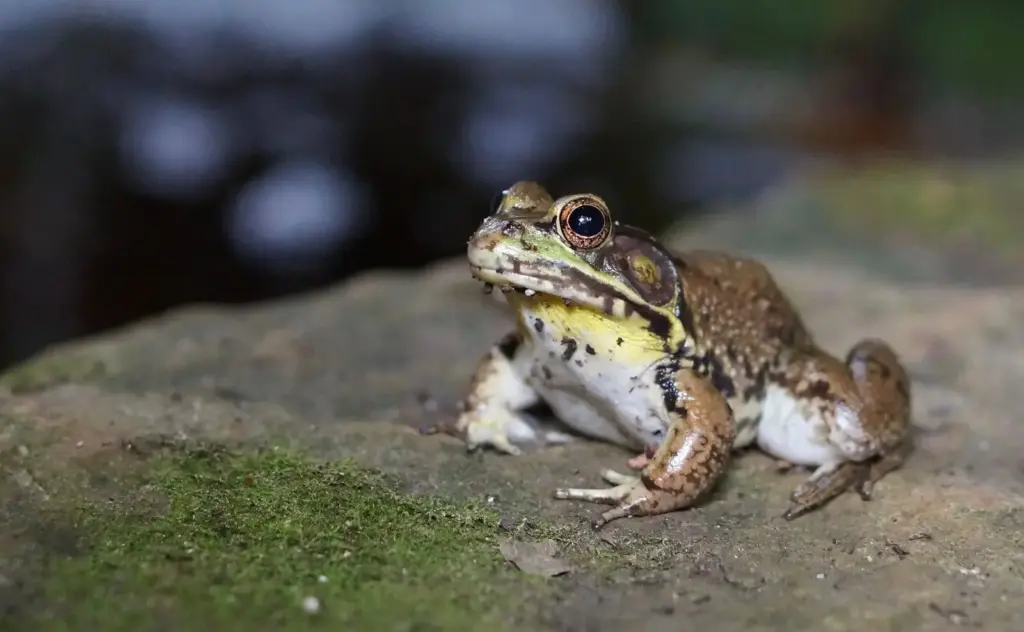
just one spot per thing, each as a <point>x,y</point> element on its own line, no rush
<point>685,359</point>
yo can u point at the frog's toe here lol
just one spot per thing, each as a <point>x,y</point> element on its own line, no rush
<point>606,496</point>
<point>614,478</point>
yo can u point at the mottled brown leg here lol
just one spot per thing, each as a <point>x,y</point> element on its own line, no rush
<point>827,482</point>
<point>690,460</point>
<point>887,463</point>
<point>883,388</point>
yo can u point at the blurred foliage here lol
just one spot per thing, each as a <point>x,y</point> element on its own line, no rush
<point>974,47</point>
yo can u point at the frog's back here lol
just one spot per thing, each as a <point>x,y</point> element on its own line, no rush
<point>745,329</point>
<point>735,298</point>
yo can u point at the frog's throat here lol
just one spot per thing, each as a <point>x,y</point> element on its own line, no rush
<point>568,286</point>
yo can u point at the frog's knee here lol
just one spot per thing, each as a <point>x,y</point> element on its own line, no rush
<point>873,359</point>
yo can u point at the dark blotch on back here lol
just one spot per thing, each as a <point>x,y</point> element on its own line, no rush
<point>590,350</point>
<point>711,367</point>
<point>538,325</point>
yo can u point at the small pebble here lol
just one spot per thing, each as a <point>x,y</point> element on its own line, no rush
<point>820,576</point>
<point>80,444</point>
<point>311,605</point>
<point>322,579</point>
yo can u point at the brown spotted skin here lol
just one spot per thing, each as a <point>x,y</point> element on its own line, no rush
<point>712,333</point>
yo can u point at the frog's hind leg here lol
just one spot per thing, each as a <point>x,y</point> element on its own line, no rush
<point>869,429</point>
<point>490,413</point>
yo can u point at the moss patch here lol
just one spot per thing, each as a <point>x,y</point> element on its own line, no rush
<point>242,541</point>
<point>50,369</point>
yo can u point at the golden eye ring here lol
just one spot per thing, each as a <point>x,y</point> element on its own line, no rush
<point>585,223</point>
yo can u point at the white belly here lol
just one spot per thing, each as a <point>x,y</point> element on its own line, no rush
<point>794,431</point>
<point>600,387</point>
<point>601,399</point>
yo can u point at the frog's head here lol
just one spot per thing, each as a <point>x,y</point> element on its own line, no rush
<point>571,248</point>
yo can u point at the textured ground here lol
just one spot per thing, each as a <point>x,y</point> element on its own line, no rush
<point>354,371</point>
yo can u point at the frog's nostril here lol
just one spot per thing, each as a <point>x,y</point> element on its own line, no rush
<point>512,229</point>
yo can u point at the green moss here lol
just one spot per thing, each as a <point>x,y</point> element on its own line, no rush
<point>238,542</point>
<point>50,369</point>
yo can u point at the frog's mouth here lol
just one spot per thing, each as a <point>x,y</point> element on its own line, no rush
<point>566,285</point>
<point>499,278</point>
<point>497,266</point>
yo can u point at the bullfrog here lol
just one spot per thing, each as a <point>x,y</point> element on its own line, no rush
<point>683,358</point>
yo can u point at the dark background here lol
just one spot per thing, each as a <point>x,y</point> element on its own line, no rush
<point>176,151</point>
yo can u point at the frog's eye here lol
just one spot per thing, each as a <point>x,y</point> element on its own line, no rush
<point>584,224</point>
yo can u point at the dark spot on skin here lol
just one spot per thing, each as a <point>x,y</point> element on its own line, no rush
<point>665,377</point>
<point>579,363</point>
<point>509,344</point>
<point>589,350</point>
<point>730,352</point>
<point>709,366</point>
<point>756,390</point>
<point>723,383</point>
<point>619,341</point>
<point>819,390</point>
<point>511,229</point>
<point>658,325</point>
<point>538,325</point>
<point>551,354</point>
<point>608,305</point>
<point>570,348</point>
<point>546,227</point>
<point>547,372</point>
<point>901,388</point>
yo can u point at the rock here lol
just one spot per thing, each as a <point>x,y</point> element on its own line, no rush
<point>345,373</point>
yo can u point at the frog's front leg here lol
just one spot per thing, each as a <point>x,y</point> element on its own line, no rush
<point>691,458</point>
<point>868,412</point>
<point>498,391</point>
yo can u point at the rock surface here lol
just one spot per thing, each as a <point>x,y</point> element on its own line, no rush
<point>355,370</point>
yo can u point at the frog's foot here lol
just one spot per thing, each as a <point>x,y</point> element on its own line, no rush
<point>882,466</point>
<point>623,484</point>
<point>827,482</point>
<point>627,493</point>
<point>498,428</point>
<point>490,412</point>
